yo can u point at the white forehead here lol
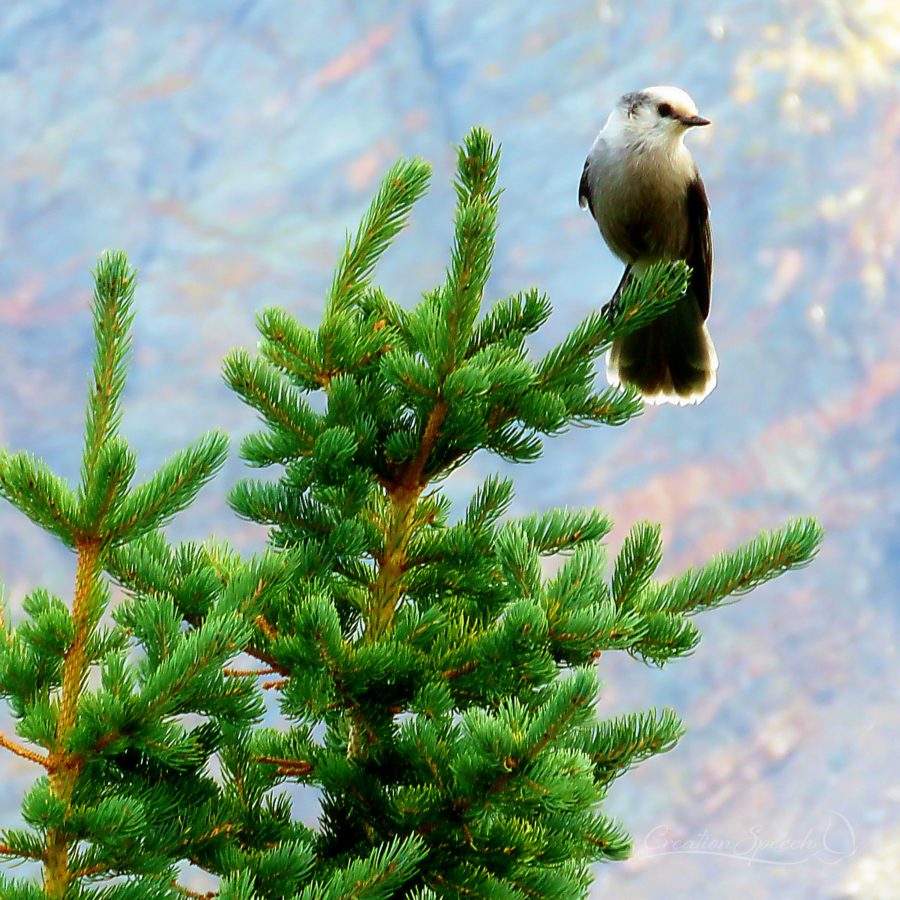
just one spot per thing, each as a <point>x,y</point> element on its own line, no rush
<point>674,96</point>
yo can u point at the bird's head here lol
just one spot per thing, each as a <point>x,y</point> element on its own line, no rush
<point>656,114</point>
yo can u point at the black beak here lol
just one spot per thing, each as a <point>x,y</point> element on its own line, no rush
<point>694,120</point>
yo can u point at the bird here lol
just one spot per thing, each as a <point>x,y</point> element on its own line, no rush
<point>644,190</point>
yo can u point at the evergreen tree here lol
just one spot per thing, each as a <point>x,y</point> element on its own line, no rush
<point>435,687</point>
<point>99,695</point>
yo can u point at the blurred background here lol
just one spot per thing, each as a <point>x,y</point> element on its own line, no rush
<point>228,146</point>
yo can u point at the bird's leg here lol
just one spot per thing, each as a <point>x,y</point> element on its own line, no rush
<point>609,308</point>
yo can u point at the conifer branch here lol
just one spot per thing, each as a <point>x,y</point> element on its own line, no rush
<point>113,311</point>
<point>45,498</point>
<point>6,850</point>
<point>171,489</point>
<point>24,752</point>
<point>253,649</point>
<point>264,388</point>
<point>510,321</point>
<point>295,768</point>
<point>90,871</point>
<point>291,347</point>
<point>642,300</point>
<point>729,574</point>
<point>637,561</point>
<point>405,182</point>
<point>265,627</point>
<point>621,742</point>
<point>194,895</point>
<point>247,673</point>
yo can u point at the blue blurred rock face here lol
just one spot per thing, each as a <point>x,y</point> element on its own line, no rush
<point>227,147</point>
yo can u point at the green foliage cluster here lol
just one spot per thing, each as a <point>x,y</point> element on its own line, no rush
<point>105,693</point>
<point>433,683</point>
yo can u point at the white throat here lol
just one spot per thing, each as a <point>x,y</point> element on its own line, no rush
<point>623,134</point>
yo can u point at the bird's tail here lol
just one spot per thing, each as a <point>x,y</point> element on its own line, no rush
<point>671,360</point>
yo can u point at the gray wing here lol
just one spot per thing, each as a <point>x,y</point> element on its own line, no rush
<point>700,249</point>
<point>584,189</point>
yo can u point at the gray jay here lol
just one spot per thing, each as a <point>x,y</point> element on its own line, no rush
<point>642,186</point>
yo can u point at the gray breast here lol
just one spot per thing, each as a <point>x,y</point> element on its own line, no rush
<point>638,199</point>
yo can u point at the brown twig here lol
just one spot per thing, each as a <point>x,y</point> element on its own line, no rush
<point>296,767</point>
<point>6,850</point>
<point>96,869</point>
<point>267,629</point>
<point>246,673</point>
<point>267,658</point>
<point>24,752</point>
<point>214,832</point>
<point>206,895</point>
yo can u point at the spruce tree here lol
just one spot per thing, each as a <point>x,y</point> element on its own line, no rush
<point>122,707</point>
<point>436,688</point>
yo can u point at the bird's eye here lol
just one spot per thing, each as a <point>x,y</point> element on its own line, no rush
<point>664,109</point>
